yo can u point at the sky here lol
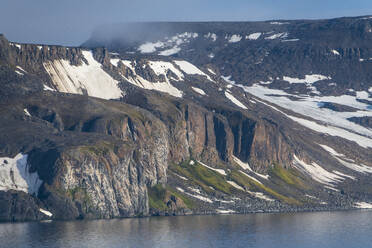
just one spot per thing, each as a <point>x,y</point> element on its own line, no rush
<point>71,22</point>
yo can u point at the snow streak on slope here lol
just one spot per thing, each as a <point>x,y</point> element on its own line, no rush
<point>88,78</point>
<point>234,100</point>
<point>349,163</point>
<point>15,175</point>
<point>309,106</point>
<point>190,69</point>
<point>318,173</point>
<point>199,91</point>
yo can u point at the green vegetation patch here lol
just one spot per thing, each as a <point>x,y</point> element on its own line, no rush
<point>289,176</point>
<point>98,149</point>
<point>203,177</point>
<point>251,184</point>
<point>157,197</point>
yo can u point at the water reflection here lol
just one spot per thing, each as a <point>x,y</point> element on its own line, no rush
<point>336,229</point>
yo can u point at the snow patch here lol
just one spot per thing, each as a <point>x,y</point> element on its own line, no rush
<point>87,78</point>
<point>190,69</point>
<point>254,179</point>
<point>220,171</point>
<point>47,213</point>
<point>235,38</point>
<point>316,172</point>
<point>211,71</point>
<point>234,100</point>
<point>26,112</point>
<point>279,23</point>
<point>180,189</point>
<point>228,79</point>
<point>363,205</point>
<point>199,197</point>
<point>212,36</point>
<point>15,175</point>
<point>261,196</point>
<point>21,69</point>
<point>198,90</point>
<point>309,106</point>
<point>349,163</point>
<point>235,185</point>
<point>225,211</point>
<point>171,51</point>
<point>253,36</point>
<point>309,79</point>
<point>162,68</point>
<point>150,47</point>
<point>276,36</point>
<point>45,87</point>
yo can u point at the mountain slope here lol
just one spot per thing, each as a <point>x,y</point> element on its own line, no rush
<point>153,125</point>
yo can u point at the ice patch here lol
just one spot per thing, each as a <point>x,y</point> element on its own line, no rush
<point>199,91</point>
<point>86,78</point>
<point>234,100</point>
<point>15,175</point>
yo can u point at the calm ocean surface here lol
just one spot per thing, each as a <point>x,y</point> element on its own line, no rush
<point>326,229</point>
